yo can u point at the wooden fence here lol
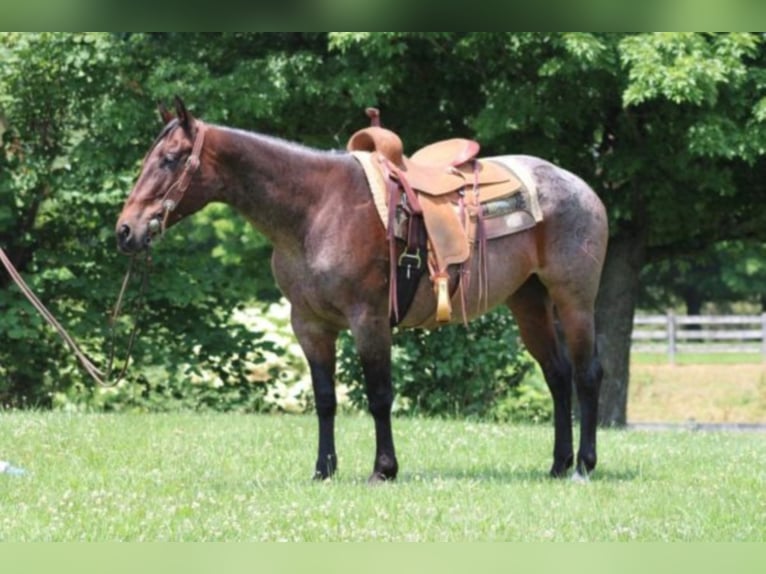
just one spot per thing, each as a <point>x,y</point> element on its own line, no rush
<point>674,334</point>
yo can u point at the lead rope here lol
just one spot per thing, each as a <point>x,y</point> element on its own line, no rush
<point>169,203</point>
<point>102,379</point>
<point>138,302</point>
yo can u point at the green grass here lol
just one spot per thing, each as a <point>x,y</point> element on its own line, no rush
<point>246,478</point>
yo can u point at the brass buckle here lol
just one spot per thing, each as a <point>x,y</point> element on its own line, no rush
<point>414,256</point>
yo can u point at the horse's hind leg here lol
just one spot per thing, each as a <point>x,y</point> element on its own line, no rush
<point>533,310</point>
<point>577,323</point>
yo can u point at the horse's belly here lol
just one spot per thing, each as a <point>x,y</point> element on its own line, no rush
<point>508,267</point>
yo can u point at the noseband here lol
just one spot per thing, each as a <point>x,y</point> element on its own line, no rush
<point>175,192</point>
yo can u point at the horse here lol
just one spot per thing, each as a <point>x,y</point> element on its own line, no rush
<point>331,261</point>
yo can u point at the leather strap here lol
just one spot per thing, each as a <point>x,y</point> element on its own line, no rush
<point>176,191</point>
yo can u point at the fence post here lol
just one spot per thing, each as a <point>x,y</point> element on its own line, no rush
<point>763,337</point>
<point>671,329</point>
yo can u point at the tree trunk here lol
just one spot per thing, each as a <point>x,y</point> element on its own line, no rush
<point>615,308</point>
<point>693,299</point>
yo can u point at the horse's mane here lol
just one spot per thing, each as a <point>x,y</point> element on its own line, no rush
<point>287,145</point>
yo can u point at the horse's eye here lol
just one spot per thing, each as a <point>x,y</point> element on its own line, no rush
<point>169,160</point>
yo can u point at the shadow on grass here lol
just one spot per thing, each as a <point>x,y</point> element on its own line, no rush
<point>513,475</point>
<point>458,475</point>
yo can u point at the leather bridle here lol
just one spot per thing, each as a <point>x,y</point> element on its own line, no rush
<point>176,191</point>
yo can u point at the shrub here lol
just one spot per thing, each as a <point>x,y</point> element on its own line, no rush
<point>453,371</point>
<point>528,402</point>
<point>264,371</point>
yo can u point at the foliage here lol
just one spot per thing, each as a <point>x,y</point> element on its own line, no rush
<point>730,272</point>
<point>48,97</point>
<point>66,168</point>
<point>668,128</point>
<point>529,401</point>
<point>267,374</point>
<point>454,371</point>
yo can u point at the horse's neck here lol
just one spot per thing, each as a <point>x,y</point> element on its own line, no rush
<point>273,183</point>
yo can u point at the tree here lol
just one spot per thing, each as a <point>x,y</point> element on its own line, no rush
<point>668,128</point>
<point>49,86</point>
<point>729,272</point>
<point>77,120</point>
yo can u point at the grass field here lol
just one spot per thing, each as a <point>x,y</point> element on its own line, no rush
<point>717,388</point>
<point>246,478</point>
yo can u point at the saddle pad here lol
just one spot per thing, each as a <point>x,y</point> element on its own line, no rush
<point>529,187</point>
<point>507,216</point>
<point>376,182</point>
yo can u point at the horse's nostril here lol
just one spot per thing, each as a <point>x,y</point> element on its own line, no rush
<point>124,235</point>
<point>124,232</point>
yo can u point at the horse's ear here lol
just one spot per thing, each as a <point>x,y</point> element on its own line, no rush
<point>184,117</point>
<point>166,116</point>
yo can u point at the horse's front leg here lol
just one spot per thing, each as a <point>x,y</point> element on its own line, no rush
<point>373,342</point>
<point>318,344</point>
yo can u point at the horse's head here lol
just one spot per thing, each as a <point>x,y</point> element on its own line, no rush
<point>173,182</point>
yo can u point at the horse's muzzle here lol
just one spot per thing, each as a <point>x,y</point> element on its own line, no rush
<point>128,241</point>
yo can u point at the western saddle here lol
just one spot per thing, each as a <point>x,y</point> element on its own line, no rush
<point>438,194</point>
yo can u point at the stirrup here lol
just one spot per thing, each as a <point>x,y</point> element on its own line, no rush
<point>443,305</point>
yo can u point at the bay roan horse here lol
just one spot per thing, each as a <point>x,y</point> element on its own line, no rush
<point>331,260</point>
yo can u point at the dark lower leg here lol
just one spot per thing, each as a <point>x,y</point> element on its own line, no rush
<point>534,315</point>
<point>318,344</point>
<point>588,384</point>
<point>326,406</point>
<point>373,342</point>
<point>577,323</point>
<point>380,397</point>
<point>559,379</point>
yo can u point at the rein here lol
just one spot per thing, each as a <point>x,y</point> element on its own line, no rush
<point>156,226</point>
<point>169,202</point>
<point>103,379</point>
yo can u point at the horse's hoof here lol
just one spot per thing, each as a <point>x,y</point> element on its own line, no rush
<point>379,478</point>
<point>385,469</point>
<point>322,475</point>
<point>586,465</point>
<point>326,467</point>
<point>580,478</point>
<point>559,471</point>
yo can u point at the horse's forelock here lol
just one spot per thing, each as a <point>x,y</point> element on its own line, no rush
<point>163,134</point>
<point>165,131</point>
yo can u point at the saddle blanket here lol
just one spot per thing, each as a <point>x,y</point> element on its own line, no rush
<point>504,216</point>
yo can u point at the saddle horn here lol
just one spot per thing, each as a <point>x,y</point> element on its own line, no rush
<point>374,115</point>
